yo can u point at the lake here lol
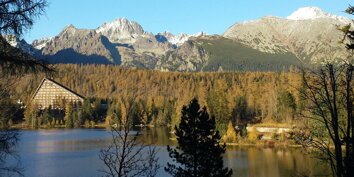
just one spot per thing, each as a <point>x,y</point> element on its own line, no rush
<point>74,153</point>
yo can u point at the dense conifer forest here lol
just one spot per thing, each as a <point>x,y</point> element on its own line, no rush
<point>240,97</point>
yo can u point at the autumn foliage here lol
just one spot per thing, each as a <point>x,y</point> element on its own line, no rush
<point>237,96</point>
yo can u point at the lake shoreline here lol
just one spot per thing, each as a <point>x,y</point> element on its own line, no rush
<point>77,150</point>
<point>259,143</point>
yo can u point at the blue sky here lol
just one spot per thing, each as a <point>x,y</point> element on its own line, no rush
<point>189,16</point>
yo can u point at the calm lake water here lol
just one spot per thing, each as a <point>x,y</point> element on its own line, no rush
<point>74,153</point>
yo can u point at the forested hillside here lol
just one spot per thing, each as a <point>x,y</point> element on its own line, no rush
<point>237,96</point>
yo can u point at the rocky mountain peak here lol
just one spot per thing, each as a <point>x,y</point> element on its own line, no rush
<point>180,38</point>
<point>167,34</point>
<point>41,43</point>
<point>70,27</point>
<point>12,40</point>
<point>270,17</point>
<point>309,34</point>
<point>18,43</point>
<point>121,30</point>
<point>73,33</point>
<point>306,13</point>
<point>311,13</point>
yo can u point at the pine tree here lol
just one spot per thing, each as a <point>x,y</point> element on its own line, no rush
<point>7,113</point>
<point>68,115</point>
<point>31,114</point>
<point>198,153</point>
<point>218,104</point>
<point>47,118</point>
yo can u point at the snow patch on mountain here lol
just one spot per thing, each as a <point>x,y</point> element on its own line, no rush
<point>41,43</point>
<point>21,44</point>
<point>312,13</point>
<point>180,38</point>
<point>121,30</point>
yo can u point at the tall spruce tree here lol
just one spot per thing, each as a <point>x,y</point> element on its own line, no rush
<point>198,153</point>
<point>68,115</point>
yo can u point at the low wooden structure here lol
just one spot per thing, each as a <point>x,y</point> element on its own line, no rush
<point>49,93</point>
<point>277,130</point>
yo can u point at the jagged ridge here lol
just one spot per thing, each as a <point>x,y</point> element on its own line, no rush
<point>308,35</point>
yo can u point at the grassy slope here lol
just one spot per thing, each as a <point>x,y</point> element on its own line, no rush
<point>231,56</point>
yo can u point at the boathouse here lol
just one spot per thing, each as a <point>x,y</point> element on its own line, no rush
<point>50,92</point>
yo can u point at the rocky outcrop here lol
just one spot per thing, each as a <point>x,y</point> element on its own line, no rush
<point>178,39</point>
<point>80,46</point>
<point>187,57</point>
<point>21,44</point>
<point>39,44</point>
<point>121,31</point>
<point>309,33</point>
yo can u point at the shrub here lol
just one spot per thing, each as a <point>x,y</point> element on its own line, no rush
<point>252,136</point>
<point>230,135</point>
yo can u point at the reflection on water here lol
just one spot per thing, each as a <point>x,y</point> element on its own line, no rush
<point>59,140</point>
<point>75,153</point>
<point>275,162</point>
<point>157,136</point>
<point>10,162</point>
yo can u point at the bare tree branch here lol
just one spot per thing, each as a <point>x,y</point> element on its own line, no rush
<point>127,155</point>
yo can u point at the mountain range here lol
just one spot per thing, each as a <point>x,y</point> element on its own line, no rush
<point>307,36</point>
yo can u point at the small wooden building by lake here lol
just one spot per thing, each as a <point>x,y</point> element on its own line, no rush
<point>49,92</point>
